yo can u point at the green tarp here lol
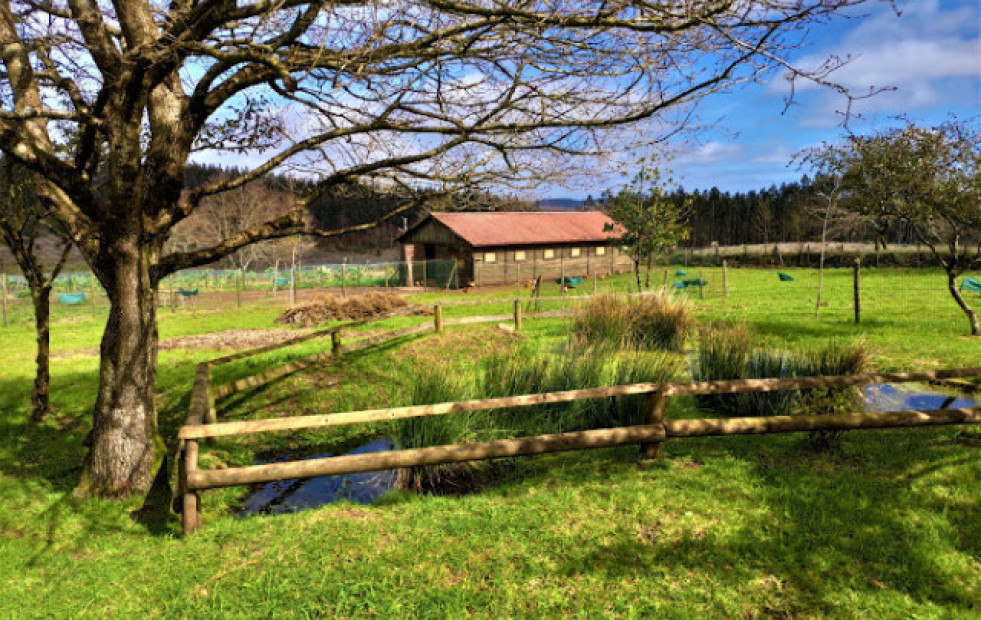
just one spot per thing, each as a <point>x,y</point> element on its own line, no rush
<point>72,299</point>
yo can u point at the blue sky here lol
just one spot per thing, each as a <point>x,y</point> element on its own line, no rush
<point>930,53</point>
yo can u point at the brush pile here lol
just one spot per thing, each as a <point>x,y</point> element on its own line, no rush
<point>332,308</point>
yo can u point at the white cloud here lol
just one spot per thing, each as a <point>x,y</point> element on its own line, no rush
<point>710,152</point>
<point>919,54</point>
<point>777,155</point>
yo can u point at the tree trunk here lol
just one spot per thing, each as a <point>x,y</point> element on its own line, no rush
<point>41,296</point>
<point>123,444</point>
<point>972,316</point>
<point>637,274</point>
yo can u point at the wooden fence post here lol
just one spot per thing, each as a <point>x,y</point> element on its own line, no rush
<point>438,318</point>
<point>191,508</point>
<point>653,414</point>
<point>173,295</point>
<point>517,315</point>
<point>3,296</point>
<point>858,290</point>
<point>292,294</point>
<point>92,292</point>
<point>238,287</point>
<point>562,273</point>
<point>725,281</point>
<point>335,343</point>
<point>701,285</point>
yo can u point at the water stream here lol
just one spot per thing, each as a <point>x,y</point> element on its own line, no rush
<point>904,396</point>
<point>292,495</point>
<point>285,496</point>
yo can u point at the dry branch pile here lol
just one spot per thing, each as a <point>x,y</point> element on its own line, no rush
<point>343,309</point>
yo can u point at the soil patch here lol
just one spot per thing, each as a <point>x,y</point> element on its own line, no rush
<point>232,339</point>
<point>228,340</point>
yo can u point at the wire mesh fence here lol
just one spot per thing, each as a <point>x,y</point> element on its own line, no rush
<point>898,296</point>
<point>433,274</point>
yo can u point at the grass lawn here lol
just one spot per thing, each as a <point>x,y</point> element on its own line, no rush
<point>718,527</point>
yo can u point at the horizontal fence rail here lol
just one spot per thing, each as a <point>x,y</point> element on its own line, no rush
<point>225,429</point>
<point>649,435</point>
<point>393,459</point>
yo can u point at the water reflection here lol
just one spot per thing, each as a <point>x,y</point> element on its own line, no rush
<point>285,496</point>
<point>904,396</point>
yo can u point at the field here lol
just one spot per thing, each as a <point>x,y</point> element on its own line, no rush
<point>722,527</point>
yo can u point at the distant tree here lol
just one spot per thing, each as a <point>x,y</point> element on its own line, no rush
<point>231,212</point>
<point>926,178</point>
<point>26,223</point>
<point>653,223</point>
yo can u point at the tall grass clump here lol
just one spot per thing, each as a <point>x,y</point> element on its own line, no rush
<point>528,371</point>
<point>574,368</point>
<point>835,359</point>
<point>656,321</point>
<point>728,352</point>
<point>438,385</point>
<point>723,353</point>
<point>604,319</point>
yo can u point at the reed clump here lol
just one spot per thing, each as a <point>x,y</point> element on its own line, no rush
<point>729,352</point>
<point>528,371</point>
<point>655,321</point>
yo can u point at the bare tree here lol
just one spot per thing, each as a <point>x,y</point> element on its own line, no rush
<point>108,101</point>
<point>24,224</point>
<point>223,215</point>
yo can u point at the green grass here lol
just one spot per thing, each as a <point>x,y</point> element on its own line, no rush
<point>887,526</point>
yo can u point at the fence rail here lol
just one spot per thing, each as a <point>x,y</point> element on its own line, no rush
<point>202,411</point>
<point>202,425</point>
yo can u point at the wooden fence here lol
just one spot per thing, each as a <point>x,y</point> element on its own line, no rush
<point>655,430</point>
<point>204,394</point>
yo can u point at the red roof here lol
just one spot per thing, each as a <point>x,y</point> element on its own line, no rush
<point>528,228</point>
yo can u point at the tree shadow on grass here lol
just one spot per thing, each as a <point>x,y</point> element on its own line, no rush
<point>49,455</point>
<point>828,527</point>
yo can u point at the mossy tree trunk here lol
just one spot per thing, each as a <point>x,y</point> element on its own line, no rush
<point>123,442</point>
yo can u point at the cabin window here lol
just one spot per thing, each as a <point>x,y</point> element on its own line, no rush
<point>601,251</point>
<point>575,252</point>
<point>547,254</point>
<point>490,257</point>
<point>520,255</point>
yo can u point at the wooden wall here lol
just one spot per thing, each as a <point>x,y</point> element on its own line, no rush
<point>434,241</point>
<point>507,269</point>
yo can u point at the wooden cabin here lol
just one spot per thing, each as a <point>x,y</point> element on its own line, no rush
<point>502,248</point>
